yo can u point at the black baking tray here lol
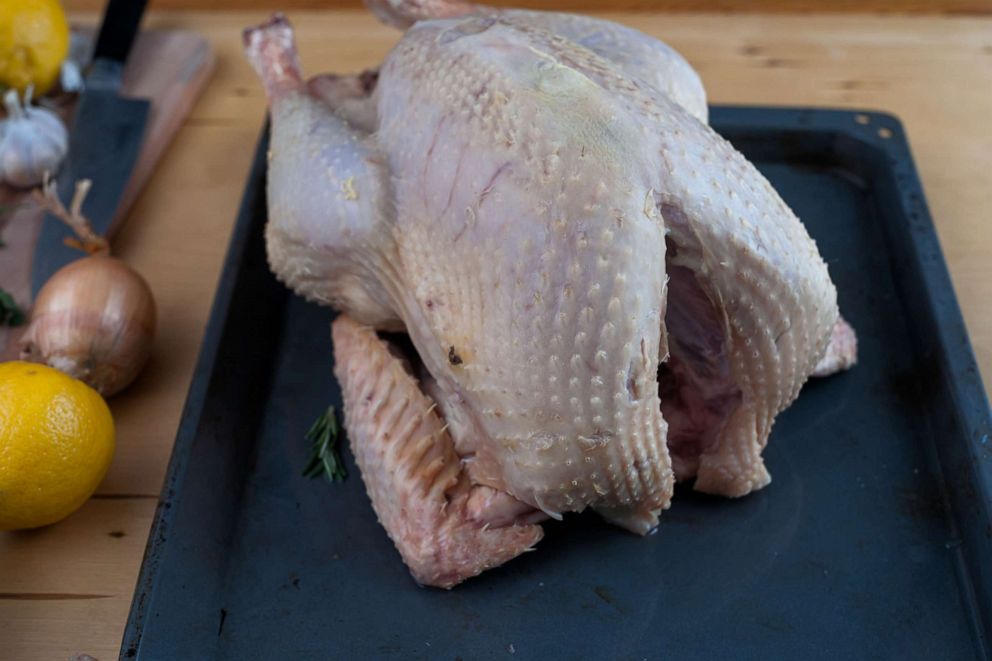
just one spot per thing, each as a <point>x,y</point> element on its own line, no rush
<point>873,541</point>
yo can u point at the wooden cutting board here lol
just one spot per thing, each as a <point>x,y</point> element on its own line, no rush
<point>169,68</point>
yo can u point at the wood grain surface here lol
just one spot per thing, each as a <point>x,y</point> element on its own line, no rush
<point>785,6</point>
<point>167,67</point>
<point>66,589</point>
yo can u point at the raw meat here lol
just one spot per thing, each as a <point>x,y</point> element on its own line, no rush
<point>576,256</point>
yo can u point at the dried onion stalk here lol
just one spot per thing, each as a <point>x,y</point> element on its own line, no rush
<point>95,318</point>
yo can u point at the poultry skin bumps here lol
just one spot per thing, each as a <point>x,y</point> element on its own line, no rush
<point>602,295</point>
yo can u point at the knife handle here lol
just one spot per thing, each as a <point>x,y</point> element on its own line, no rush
<point>120,24</point>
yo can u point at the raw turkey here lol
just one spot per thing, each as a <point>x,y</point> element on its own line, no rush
<point>601,295</point>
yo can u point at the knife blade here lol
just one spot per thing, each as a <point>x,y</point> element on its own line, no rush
<point>104,140</point>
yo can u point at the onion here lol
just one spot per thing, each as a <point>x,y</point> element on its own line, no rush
<point>95,318</point>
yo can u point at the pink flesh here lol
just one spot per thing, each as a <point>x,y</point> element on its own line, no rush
<point>698,393</point>
<point>271,51</point>
<point>496,508</point>
<point>697,390</point>
<point>842,350</point>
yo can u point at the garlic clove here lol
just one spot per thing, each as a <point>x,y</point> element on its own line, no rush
<point>33,140</point>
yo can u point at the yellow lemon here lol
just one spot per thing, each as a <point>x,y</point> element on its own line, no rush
<point>56,443</point>
<point>34,40</point>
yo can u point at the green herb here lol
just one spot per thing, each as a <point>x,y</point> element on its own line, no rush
<point>325,458</point>
<point>7,209</point>
<point>10,314</point>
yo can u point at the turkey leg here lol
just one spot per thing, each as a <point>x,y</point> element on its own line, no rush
<point>328,234</point>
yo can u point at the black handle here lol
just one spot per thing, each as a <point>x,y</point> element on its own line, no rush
<point>120,24</point>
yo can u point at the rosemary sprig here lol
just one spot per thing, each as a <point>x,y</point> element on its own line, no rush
<point>325,457</point>
<point>7,210</point>
<point>10,208</point>
<point>10,313</point>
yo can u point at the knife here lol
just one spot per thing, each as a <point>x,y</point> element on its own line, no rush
<point>104,140</point>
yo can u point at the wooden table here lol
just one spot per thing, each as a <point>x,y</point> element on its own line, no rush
<point>66,589</point>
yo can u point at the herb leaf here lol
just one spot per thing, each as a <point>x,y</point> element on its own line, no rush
<point>325,457</point>
<point>10,208</point>
<point>10,314</point>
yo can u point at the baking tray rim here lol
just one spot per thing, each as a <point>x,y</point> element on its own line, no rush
<point>874,129</point>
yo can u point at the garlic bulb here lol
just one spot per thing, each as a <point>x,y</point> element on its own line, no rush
<point>94,320</point>
<point>33,140</point>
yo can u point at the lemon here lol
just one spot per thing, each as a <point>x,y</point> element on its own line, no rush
<point>34,39</point>
<point>56,442</point>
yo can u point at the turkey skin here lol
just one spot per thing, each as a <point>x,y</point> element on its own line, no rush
<point>601,295</point>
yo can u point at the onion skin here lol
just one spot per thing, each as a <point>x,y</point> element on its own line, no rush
<point>94,320</point>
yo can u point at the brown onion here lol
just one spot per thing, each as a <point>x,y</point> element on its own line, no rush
<point>94,320</point>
